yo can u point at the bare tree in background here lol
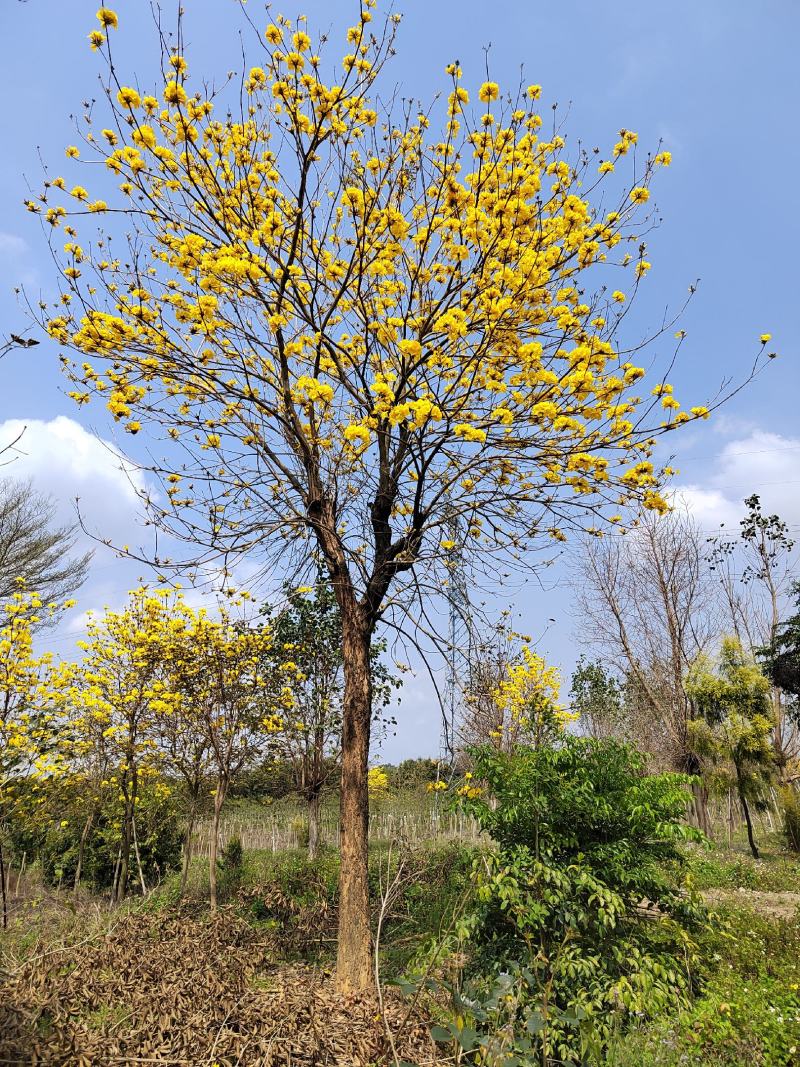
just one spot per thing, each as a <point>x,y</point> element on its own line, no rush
<point>755,569</point>
<point>490,658</point>
<point>34,548</point>
<point>646,602</point>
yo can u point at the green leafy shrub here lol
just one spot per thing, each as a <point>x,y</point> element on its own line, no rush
<point>582,926</point>
<point>232,856</point>
<point>56,843</point>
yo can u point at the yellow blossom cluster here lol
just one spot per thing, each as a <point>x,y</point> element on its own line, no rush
<point>528,697</point>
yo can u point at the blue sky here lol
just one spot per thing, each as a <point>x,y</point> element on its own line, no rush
<point>717,81</point>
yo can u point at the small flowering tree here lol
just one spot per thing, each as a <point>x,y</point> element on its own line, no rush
<point>355,322</point>
<point>28,697</point>
<point>512,695</point>
<point>114,696</point>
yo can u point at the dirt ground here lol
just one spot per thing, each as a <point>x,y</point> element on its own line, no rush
<point>773,905</point>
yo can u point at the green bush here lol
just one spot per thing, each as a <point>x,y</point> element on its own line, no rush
<point>232,856</point>
<point>55,843</point>
<point>582,926</point>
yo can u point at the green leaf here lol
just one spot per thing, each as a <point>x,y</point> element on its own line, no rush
<point>438,1033</point>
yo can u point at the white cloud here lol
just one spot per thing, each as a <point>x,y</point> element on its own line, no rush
<point>65,461</point>
<point>762,462</point>
<point>12,246</point>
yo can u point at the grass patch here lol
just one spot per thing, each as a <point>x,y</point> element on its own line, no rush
<point>748,1013</point>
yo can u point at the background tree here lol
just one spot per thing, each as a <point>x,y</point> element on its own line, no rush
<point>34,548</point>
<point>180,735</point>
<point>28,750</point>
<point>230,702</point>
<point>121,685</point>
<point>597,697</point>
<point>731,702</point>
<point>782,657</point>
<point>645,600</point>
<point>354,321</point>
<point>755,570</point>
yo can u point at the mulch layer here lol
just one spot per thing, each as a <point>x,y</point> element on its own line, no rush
<point>181,990</point>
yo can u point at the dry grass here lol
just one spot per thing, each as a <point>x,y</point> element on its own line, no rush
<point>175,989</point>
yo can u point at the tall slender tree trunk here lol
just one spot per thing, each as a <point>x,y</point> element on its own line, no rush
<point>313,826</point>
<point>3,887</point>
<point>187,849</point>
<point>354,955</point>
<point>125,853</point>
<point>219,799</point>
<point>749,821</point>
<point>82,849</point>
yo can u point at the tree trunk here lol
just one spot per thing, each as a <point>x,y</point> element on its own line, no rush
<point>138,858</point>
<point>313,826</point>
<point>82,849</point>
<point>187,851</point>
<point>3,887</point>
<point>213,848</point>
<point>354,955</point>
<point>125,853</point>
<point>749,821</point>
<point>700,805</point>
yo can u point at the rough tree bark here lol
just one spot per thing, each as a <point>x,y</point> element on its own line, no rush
<point>354,955</point>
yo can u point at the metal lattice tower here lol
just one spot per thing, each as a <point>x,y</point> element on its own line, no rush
<point>459,641</point>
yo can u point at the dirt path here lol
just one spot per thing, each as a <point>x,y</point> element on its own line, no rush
<point>775,905</point>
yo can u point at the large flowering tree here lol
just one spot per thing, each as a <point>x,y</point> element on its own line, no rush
<point>359,325</point>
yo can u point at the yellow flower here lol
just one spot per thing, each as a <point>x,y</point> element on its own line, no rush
<point>488,91</point>
<point>663,159</point>
<point>534,91</point>
<point>618,296</point>
<point>107,18</point>
<point>606,167</point>
<point>469,433</point>
<point>301,41</point>
<point>96,38</point>
<point>72,152</point>
<point>766,338</point>
<point>174,93</point>
<point>640,195</point>
<point>129,97</point>
<point>273,34</point>
<point>358,435</point>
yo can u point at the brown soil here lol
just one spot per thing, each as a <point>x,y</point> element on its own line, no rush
<point>778,905</point>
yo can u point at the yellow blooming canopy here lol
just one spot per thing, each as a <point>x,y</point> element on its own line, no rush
<point>356,324</point>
